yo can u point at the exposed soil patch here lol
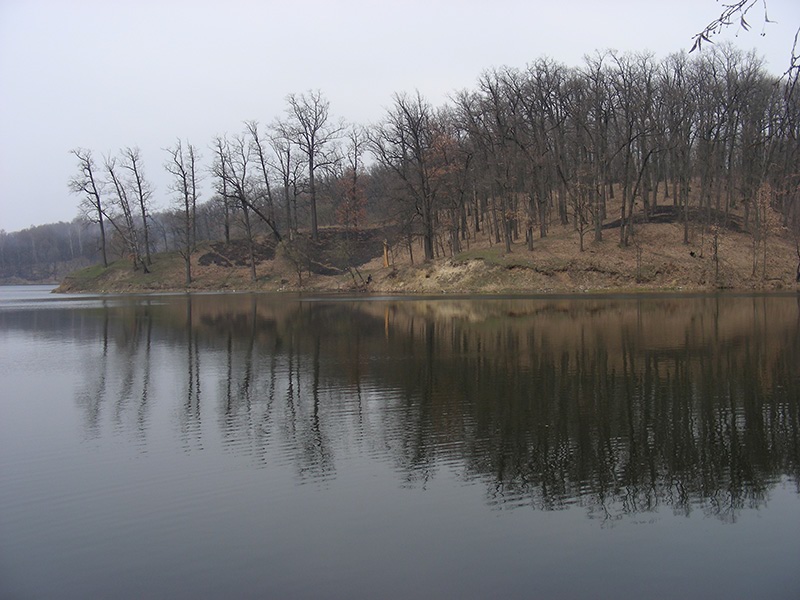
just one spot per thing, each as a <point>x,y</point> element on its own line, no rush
<point>335,252</point>
<point>339,250</point>
<point>236,253</point>
<point>674,214</point>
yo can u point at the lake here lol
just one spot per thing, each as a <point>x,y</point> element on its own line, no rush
<point>279,446</point>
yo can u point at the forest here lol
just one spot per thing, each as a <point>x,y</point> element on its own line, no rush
<point>709,139</point>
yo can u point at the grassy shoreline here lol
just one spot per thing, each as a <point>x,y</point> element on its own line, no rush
<point>658,263</point>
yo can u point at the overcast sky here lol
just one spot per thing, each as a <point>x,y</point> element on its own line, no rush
<point>104,75</point>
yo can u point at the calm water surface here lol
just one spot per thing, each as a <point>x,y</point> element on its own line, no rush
<point>263,446</point>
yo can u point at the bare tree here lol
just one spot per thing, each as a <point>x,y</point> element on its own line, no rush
<point>736,13</point>
<point>232,160</point>
<point>219,170</point>
<point>595,75</point>
<point>123,221</point>
<point>143,191</point>
<point>731,13</point>
<point>262,169</point>
<point>350,211</point>
<point>404,143</point>
<point>181,165</point>
<point>290,171</point>
<point>309,127</point>
<point>473,121</point>
<point>499,107</point>
<point>677,92</point>
<point>633,93</point>
<point>579,194</point>
<point>86,183</point>
<point>194,179</point>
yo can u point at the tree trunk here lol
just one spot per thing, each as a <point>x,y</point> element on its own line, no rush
<point>250,249</point>
<point>187,259</point>
<point>312,188</point>
<point>103,238</point>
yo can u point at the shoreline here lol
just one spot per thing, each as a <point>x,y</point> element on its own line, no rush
<point>660,263</point>
<point>407,289</point>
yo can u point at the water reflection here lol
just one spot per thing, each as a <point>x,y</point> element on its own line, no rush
<point>619,405</point>
<point>191,421</point>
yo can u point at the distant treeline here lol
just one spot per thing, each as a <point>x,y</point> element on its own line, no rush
<point>46,252</point>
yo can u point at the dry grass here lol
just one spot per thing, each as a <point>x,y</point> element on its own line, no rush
<point>656,260</point>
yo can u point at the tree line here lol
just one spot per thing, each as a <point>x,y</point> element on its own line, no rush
<point>46,252</point>
<point>709,138</point>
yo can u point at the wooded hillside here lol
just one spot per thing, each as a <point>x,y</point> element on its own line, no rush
<point>707,140</point>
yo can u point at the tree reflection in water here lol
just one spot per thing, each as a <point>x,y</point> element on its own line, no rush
<point>619,405</point>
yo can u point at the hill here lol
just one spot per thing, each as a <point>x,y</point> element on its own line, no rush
<point>345,261</point>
